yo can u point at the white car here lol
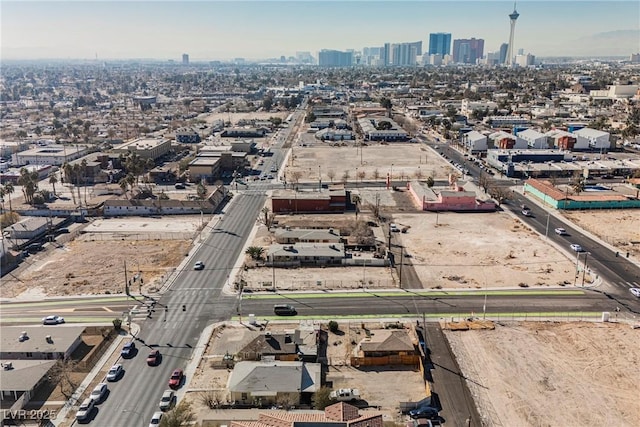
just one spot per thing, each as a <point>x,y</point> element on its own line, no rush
<point>576,247</point>
<point>85,409</point>
<point>52,320</point>
<point>168,400</point>
<point>198,265</point>
<point>98,392</point>
<point>114,373</point>
<point>561,231</point>
<point>635,292</point>
<point>155,419</point>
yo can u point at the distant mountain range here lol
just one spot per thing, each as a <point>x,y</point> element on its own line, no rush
<point>610,43</point>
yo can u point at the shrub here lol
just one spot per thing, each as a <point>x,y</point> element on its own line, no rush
<point>333,326</point>
<point>117,324</point>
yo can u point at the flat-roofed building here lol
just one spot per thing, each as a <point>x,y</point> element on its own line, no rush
<point>535,139</point>
<point>563,140</point>
<point>40,343</point>
<point>290,201</point>
<point>54,154</point>
<point>7,148</point>
<point>474,141</point>
<point>507,141</point>
<point>207,168</point>
<point>147,148</point>
<point>596,139</point>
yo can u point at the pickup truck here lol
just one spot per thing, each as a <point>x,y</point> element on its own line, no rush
<point>345,394</point>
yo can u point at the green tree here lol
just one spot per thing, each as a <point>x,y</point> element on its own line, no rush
<point>53,180</point>
<point>255,252</point>
<point>29,182</point>
<point>201,191</point>
<point>384,125</point>
<point>333,326</point>
<point>386,104</point>
<point>321,398</point>
<point>9,189</point>
<point>430,182</point>
<point>310,117</point>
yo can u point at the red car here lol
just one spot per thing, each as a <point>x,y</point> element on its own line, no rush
<point>176,379</point>
<point>154,358</point>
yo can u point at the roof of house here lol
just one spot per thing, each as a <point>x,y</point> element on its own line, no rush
<point>590,133</point>
<point>24,375</point>
<point>338,414</point>
<point>307,234</point>
<point>273,344</point>
<point>62,337</point>
<point>388,340</point>
<point>270,378</point>
<point>307,249</point>
<point>530,134</point>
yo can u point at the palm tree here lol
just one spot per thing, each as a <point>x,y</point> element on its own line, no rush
<point>124,184</point>
<point>29,182</point>
<point>2,194</point>
<point>53,180</point>
<point>9,189</point>
<point>255,252</point>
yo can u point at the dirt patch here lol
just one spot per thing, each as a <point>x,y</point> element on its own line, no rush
<point>617,227</point>
<point>565,363</point>
<point>454,250</point>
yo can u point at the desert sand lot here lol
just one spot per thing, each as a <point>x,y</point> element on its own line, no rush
<point>481,249</point>
<point>404,161</point>
<point>93,263</point>
<point>552,374</point>
<point>620,227</point>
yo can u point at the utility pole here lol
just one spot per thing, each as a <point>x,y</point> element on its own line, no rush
<point>126,281</point>
<point>401,262</point>
<point>584,268</point>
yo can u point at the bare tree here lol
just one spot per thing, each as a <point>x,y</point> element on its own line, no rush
<point>345,176</point>
<point>361,175</point>
<point>210,398</point>
<point>287,400</point>
<point>331,174</point>
<point>180,416</point>
<point>485,181</point>
<point>61,373</point>
<point>499,193</point>
<point>266,218</point>
<point>376,174</point>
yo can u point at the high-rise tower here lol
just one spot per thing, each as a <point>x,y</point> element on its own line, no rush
<point>513,17</point>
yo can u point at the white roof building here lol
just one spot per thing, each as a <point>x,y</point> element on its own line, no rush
<point>595,138</point>
<point>474,141</point>
<point>534,138</point>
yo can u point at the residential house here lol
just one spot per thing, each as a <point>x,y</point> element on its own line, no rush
<point>307,254</point>
<point>293,345</point>
<point>268,382</point>
<point>307,235</point>
<point>337,415</point>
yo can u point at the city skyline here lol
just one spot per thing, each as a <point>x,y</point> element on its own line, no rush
<point>222,30</point>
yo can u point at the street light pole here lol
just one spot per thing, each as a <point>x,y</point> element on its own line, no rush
<point>546,232</point>
<point>584,268</point>
<point>319,179</point>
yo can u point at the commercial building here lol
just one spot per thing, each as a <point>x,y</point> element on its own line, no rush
<point>290,201</point>
<point>374,131</point>
<point>187,136</point>
<point>147,148</point>
<point>474,141</point>
<point>54,155</point>
<point>185,59</point>
<point>535,139</point>
<point>597,139</point>
<point>455,199</point>
<point>335,58</point>
<point>507,141</point>
<point>468,51</point>
<point>403,54</point>
<point>440,44</point>
<point>8,148</point>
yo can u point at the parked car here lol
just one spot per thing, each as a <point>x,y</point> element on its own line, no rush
<point>84,411</point>
<point>176,378</point>
<point>156,419</point>
<point>428,412</point>
<point>114,373</point>
<point>99,392</point>
<point>168,400</point>
<point>128,350</point>
<point>154,358</point>
<point>345,394</point>
<point>52,320</point>
<point>635,292</point>
<point>576,247</point>
<point>561,231</point>
<point>199,265</point>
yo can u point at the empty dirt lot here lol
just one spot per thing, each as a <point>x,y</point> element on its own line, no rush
<point>403,161</point>
<point>552,374</point>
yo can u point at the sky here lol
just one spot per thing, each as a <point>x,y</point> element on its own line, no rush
<point>220,30</point>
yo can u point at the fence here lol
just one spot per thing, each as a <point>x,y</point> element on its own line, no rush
<point>136,236</point>
<point>404,359</point>
<point>299,285</point>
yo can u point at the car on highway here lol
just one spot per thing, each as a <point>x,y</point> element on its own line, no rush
<point>99,392</point>
<point>199,265</point>
<point>153,359</point>
<point>52,320</point>
<point>561,231</point>
<point>85,409</point>
<point>284,310</point>
<point>156,418</point>
<point>526,212</point>
<point>576,247</point>
<point>128,350</point>
<point>168,400</point>
<point>635,292</point>
<point>115,372</point>
<point>428,412</point>
<point>176,378</point>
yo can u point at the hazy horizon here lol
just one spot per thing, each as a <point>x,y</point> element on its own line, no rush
<point>223,30</point>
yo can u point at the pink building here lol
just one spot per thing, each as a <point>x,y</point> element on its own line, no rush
<point>456,199</point>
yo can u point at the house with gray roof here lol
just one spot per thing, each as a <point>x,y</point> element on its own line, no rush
<point>307,235</point>
<point>266,382</point>
<point>39,343</point>
<point>307,254</point>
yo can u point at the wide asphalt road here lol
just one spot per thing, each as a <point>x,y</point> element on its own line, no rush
<point>134,398</point>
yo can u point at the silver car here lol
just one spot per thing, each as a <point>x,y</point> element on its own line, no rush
<point>98,393</point>
<point>85,409</point>
<point>114,373</point>
<point>168,400</point>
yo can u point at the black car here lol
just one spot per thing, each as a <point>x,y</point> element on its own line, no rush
<point>424,412</point>
<point>128,350</point>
